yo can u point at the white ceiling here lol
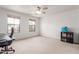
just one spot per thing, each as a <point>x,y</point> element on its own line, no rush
<point>30,9</point>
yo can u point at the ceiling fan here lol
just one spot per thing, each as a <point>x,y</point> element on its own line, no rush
<point>41,9</point>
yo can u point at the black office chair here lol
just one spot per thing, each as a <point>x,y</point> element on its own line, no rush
<point>4,43</point>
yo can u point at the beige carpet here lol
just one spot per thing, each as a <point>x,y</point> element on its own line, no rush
<point>43,45</point>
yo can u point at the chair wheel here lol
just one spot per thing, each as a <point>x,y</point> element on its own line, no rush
<point>2,50</point>
<point>13,50</point>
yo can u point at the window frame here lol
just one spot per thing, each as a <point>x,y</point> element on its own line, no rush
<point>15,17</point>
<point>33,30</point>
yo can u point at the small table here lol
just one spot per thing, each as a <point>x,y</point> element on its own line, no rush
<point>67,37</point>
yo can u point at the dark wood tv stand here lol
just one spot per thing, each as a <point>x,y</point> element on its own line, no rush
<point>67,37</point>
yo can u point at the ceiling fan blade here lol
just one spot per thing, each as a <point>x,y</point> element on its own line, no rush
<point>38,7</point>
<point>45,8</point>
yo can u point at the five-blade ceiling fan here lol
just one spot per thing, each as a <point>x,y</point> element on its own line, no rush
<point>41,9</point>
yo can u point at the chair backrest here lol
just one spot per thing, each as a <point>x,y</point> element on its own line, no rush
<point>12,32</point>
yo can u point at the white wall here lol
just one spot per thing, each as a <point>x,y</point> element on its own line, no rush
<point>51,24</point>
<point>24,28</point>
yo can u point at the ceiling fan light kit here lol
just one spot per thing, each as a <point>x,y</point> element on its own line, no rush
<point>38,12</point>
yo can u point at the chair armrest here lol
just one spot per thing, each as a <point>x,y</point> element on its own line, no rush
<point>13,39</point>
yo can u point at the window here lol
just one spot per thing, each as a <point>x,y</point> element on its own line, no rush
<point>13,22</point>
<point>32,25</point>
